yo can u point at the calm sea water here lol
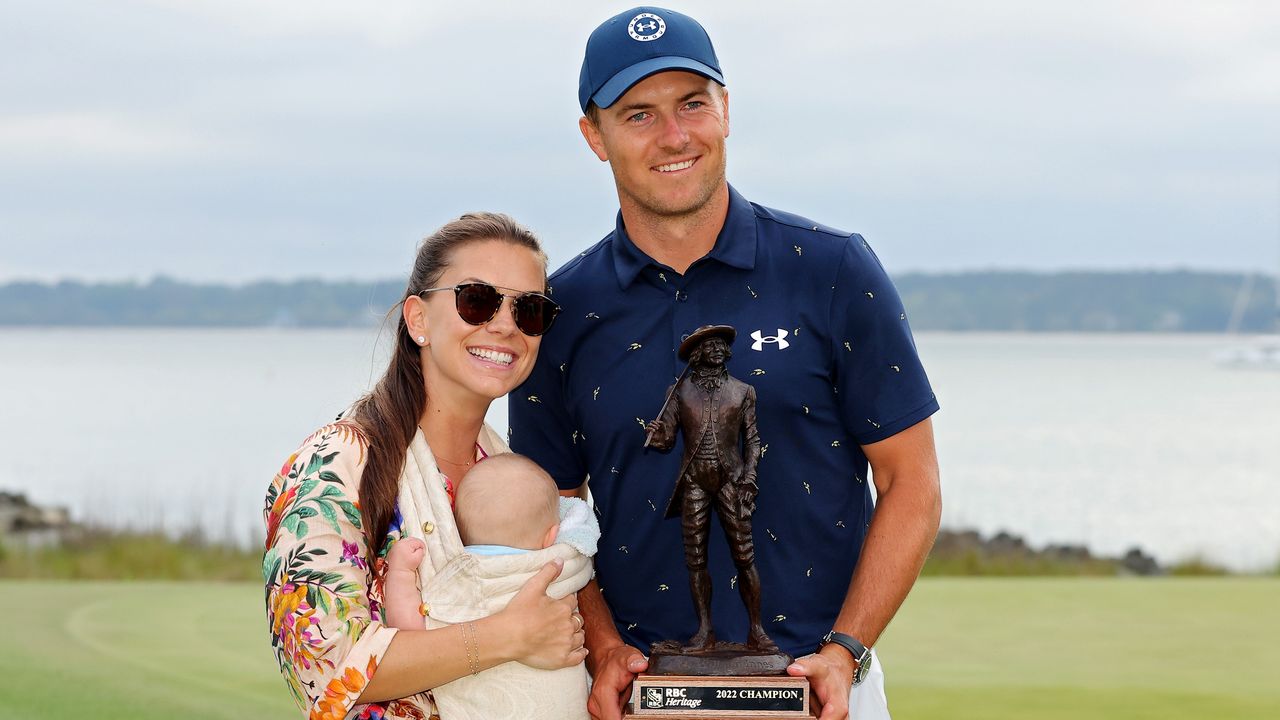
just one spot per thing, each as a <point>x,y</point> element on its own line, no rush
<point>1111,441</point>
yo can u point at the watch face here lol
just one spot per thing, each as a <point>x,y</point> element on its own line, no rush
<point>864,665</point>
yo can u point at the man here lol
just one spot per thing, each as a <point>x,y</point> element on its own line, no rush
<point>838,382</point>
<point>717,416</point>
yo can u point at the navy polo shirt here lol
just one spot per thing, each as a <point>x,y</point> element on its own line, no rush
<point>822,336</point>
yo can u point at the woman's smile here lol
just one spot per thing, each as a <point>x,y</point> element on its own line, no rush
<point>493,356</point>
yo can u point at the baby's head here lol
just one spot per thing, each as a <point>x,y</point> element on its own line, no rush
<point>507,500</point>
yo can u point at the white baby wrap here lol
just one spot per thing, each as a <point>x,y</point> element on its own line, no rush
<point>459,587</point>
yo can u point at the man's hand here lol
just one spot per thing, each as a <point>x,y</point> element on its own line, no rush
<point>611,678</point>
<point>830,673</point>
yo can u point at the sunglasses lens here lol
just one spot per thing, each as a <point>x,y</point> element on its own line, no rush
<point>535,313</point>
<point>478,303</point>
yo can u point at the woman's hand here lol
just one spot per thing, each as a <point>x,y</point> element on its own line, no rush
<point>545,633</point>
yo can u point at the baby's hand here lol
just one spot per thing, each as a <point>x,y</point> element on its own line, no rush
<point>406,554</point>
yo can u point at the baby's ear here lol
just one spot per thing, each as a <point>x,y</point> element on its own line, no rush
<point>549,538</point>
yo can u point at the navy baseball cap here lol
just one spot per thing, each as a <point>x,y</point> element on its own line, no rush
<point>640,42</point>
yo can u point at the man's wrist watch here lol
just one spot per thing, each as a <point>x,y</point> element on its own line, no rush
<point>861,653</point>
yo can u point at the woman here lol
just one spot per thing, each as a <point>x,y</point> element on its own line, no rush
<point>468,332</point>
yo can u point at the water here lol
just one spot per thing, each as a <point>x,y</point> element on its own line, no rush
<point>1110,441</point>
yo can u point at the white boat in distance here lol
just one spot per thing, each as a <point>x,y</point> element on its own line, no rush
<point>1262,354</point>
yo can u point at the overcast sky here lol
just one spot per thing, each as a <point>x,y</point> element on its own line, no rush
<point>241,139</point>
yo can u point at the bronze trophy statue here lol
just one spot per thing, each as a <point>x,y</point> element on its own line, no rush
<point>715,414</point>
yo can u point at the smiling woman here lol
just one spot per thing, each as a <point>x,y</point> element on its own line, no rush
<point>472,347</point>
<point>387,471</point>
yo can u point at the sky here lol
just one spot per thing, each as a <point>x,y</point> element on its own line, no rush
<point>237,140</point>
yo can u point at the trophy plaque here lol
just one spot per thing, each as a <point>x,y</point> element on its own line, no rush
<point>687,697</point>
<point>702,677</point>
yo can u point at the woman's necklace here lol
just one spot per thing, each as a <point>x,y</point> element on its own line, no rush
<point>440,457</point>
<point>455,463</point>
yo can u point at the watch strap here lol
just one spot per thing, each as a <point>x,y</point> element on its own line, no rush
<point>861,653</point>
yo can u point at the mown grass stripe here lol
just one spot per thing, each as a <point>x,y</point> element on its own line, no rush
<point>989,648</point>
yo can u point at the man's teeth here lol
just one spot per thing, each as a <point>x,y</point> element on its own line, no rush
<point>676,166</point>
<point>501,358</point>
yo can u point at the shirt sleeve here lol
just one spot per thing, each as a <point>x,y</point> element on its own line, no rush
<point>880,382</point>
<point>318,573</point>
<point>542,427</point>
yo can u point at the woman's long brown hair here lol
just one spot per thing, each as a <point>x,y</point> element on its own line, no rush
<point>389,414</point>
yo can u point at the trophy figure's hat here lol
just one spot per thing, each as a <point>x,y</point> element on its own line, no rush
<point>726,332</point>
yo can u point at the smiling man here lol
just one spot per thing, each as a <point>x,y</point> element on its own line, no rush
<point>824,342</point>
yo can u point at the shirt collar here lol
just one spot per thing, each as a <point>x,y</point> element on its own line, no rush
<point>735,245</point>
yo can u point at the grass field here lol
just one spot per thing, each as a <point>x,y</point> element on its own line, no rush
<point>1052,649</point>
<point>961,648</point>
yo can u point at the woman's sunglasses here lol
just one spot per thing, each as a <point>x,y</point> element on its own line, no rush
<point>478,303</point>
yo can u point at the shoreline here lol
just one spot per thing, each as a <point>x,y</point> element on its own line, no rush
<point>45,542</point>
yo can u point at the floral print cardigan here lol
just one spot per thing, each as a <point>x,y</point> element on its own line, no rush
<point>323,593</point>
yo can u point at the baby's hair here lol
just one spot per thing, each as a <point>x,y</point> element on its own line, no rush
<point>506,499</point>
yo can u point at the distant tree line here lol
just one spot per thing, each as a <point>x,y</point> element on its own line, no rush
<point>167,302</point>
<point>1173,301</point>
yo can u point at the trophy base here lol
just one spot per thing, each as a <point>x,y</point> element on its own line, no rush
<point>689,697</point>
<point>724,659</point>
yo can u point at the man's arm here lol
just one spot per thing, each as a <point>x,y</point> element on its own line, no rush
<point>908,510</point>
<point>612,663</point>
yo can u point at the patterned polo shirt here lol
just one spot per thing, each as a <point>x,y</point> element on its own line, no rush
<point>823,337</point>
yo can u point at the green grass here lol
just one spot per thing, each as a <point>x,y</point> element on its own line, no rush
<point>137,650</point>
<point>107,554</point>
<point>989,648</point>
<point>974,563</point>
<point>1086,648</point>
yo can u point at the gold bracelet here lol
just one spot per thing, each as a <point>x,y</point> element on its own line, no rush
<point>472,649</point>
<point>466,642</point>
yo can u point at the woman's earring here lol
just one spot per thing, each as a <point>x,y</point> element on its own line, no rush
<point>422,339</point>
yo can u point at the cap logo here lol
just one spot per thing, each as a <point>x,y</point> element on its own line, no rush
<point>646,26</point>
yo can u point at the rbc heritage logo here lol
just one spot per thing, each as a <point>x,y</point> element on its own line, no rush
<point>646,26</point>
<point>760,339</point>
<point>653,697</point>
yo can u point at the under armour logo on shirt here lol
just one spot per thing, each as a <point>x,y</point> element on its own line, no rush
<point>760,339</point>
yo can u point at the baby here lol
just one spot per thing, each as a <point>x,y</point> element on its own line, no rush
<point>512,522</point>
<point>507,505</point>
